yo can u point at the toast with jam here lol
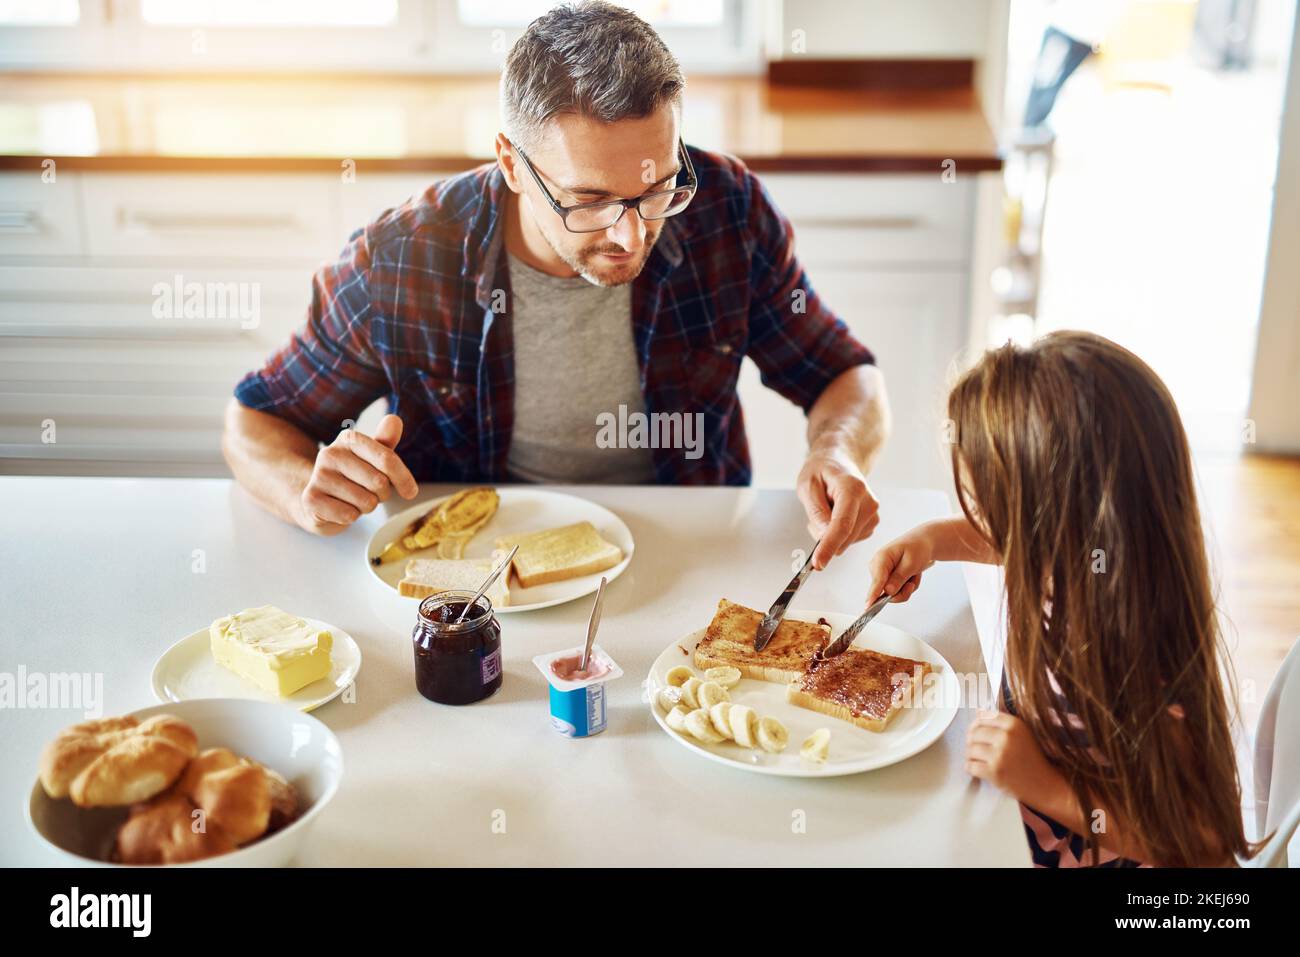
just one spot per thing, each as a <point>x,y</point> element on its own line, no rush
<point>863,687</point>
<point>729,640</point>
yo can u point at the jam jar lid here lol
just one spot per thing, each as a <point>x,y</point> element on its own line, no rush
<point>433,607</point>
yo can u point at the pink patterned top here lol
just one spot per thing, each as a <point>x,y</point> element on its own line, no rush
<point>1052,844</point>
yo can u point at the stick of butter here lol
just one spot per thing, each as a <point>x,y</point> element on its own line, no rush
<point>273,649</point>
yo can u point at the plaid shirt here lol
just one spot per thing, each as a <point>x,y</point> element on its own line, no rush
<point>416,309</point>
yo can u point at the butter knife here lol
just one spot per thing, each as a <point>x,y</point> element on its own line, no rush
<point>841,643</point>
<point>767,627</point>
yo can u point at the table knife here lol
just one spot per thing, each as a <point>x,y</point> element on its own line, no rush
<point>767,627</point>
<point>843,641</point>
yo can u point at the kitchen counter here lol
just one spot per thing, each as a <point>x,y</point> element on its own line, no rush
<point>393,123</point>
<point>100,576</point>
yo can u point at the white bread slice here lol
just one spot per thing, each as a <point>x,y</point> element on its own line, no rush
<point>729,640</point>
<point>429,576</point>
<point>860,686</point>
<point>558,554</point>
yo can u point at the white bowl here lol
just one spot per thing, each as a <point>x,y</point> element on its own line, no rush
<point>283,738</point>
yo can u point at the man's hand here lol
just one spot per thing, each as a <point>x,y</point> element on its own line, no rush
<point>840,507</point>
<point>352,476</point>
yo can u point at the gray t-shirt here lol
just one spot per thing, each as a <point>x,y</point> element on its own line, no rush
<point>574,361</point>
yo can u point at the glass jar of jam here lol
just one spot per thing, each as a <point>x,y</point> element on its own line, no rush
<point>456,663</point>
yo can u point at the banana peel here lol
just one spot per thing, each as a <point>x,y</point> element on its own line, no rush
<point>449,525</point>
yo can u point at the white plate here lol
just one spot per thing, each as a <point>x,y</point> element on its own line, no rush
<point>522,510</point>
<point>852,749</point>
<point>187,671</point>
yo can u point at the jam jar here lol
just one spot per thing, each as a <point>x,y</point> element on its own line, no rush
<point>456,663</point>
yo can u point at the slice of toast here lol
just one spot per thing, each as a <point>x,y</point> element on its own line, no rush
<point>729,640</point>
<point>429,576</point>
<point>863,687</point>
<point>558,554</point>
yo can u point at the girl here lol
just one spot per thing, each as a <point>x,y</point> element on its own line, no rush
<point>1073,473</point>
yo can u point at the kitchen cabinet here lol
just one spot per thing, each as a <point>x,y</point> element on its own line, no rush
<point>914,322</point>
<point>889,254</point>
<point>133,386</point>
<point>38,217</point>
<point>96,339</point>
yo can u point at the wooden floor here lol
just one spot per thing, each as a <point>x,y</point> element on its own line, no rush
<point>1251,510</point>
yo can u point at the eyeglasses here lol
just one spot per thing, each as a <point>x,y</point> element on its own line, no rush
<point>595,217</point>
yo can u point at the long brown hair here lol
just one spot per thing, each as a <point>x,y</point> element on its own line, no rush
<point>1070,458</point>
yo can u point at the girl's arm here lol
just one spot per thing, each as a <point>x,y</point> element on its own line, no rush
<point>1001,750</point>
<point>897,567</point>
<point>956,540</point>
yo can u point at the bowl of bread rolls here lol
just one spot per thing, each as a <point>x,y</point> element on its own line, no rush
<point>216,782</point>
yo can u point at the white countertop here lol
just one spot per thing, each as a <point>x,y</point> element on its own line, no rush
<point>98,577</point>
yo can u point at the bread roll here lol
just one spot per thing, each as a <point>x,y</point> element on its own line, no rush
<point>234,793</point>
<point>167,830</point>
<point>111,762</point>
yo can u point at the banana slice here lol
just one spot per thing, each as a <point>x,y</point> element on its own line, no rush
<point>744,725</point>
<point>772,735</point>
<point>724,675</point>
<point>678,676</point>
<point>701,728</point>
<point>668,698</point>
<point>721,720</point>
<point>676,718</point>
<point>710,693</point>
<point>816,746</point>
<point>689,689</point>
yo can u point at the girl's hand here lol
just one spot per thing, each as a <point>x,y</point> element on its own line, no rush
<point>1001,750</point>
<point>896,569</point>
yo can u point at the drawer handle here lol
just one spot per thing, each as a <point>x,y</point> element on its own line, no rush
<point>19,221</point>
<point>861,222</point>
<point>165,222</point>
<point>73,330</point>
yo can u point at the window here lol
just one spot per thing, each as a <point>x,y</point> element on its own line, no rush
<point>268,13</point>
<point>379,36</point>
<point>707,36</point>
<point>39,13</point>
<point>660,13</point>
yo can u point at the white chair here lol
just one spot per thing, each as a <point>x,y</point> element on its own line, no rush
<point>1277,763</point>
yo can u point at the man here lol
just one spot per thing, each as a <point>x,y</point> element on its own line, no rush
<point>598,272</point>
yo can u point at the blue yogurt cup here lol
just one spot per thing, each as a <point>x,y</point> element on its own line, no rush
<point>578,707</point>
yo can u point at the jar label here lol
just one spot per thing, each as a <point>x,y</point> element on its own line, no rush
<point>490,666</point>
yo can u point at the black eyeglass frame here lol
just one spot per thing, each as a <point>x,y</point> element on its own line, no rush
<point>691,184</point>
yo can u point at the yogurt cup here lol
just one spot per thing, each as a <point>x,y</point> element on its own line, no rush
<point>578,706</point>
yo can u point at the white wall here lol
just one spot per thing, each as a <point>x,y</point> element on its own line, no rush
<point>884,28</point>
<point>1275,398</point>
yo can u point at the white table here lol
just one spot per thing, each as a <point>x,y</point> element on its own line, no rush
<point>98,576</point>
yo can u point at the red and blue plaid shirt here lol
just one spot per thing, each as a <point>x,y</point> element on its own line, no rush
<point>416,309</point>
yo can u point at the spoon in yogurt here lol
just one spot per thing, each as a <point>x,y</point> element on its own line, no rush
<point>592,625</point>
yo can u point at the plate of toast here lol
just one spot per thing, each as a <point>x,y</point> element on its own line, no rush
<point>789,711</point>
<point>452,543</point>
